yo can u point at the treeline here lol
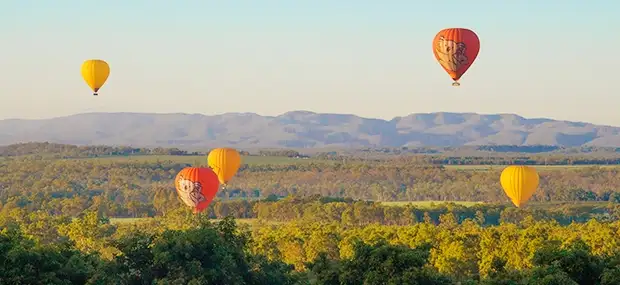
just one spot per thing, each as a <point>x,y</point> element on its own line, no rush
<point>282,152</point>
<point>182,248</point>
<point>482,148</point>
<point>492,148</point>
<point>73,151</point>
<point>482,155</point>
<point>451,160</point>
<point>516,148</point>
<point>483,158</point>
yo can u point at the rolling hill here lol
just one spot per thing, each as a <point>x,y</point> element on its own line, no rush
<point>303,129</point>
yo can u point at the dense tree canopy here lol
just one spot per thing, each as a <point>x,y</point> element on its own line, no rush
<point>186,249</point>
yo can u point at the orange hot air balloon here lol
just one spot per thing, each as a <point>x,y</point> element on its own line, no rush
<point>456,49</point>
<point>196,187</point>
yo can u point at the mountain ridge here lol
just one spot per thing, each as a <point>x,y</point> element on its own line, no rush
<point>306,129</point>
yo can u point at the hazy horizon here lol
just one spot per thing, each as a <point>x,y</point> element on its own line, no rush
<point>537,59</point>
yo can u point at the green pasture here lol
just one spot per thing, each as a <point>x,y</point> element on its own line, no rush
<point>117,221</point>
<point>200,159</point>
<point>281,160</point>
<point>429,204</point>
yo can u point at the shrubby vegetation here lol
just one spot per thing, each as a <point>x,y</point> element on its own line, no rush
<point>140,188</point>
<point>302,223</point>
<point>185,249</point>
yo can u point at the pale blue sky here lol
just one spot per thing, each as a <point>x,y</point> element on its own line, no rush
<point>552,58</point>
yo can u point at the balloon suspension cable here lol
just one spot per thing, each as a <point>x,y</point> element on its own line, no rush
<point>456,83</point>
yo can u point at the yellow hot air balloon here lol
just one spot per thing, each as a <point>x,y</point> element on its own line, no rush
<point>225,162</point>
<point>95,72</point>
<point>519,183</point>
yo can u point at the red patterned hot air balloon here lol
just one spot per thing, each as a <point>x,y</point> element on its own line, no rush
<point>456,49</point>
<point>197,187</point>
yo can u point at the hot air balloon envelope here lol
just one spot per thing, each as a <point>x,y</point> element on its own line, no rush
<point>95,72</point>
<point>519,183</point>
<point>456,49</point>
<point>197,187</point>
<point>225,163</point>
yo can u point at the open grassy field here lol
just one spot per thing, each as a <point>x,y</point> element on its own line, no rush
<point>117,221</point>
<point>530,205</point>
<point>201,159</point>
<point>538,167</point>
<point>428,204</point>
